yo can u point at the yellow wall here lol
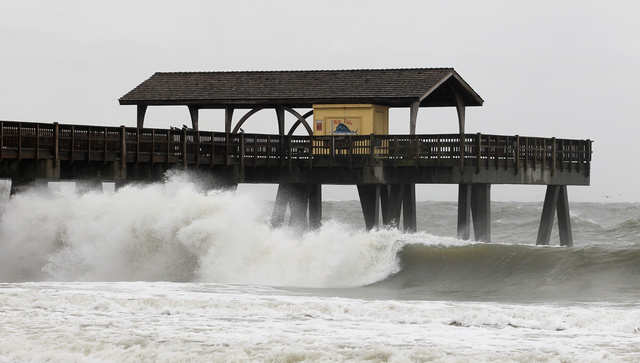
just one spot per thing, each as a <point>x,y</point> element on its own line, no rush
<point>362,119</point>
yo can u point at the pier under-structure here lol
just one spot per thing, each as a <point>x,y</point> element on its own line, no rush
<point>385,168</point>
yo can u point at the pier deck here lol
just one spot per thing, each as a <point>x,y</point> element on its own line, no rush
<point>53,151</point>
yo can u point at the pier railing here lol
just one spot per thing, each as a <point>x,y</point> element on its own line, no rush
<point>26,140</point>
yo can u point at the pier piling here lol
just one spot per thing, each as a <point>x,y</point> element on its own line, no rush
<point>370,202</point>
<point>556,201</point>
<point>464,211</point>
<point>481,211</point>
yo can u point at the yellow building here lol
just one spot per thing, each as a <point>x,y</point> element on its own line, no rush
<point>350,119</point>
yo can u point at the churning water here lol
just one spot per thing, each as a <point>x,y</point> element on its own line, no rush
<point>167,272</point>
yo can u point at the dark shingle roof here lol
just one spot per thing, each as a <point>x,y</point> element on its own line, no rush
<point>392,87</point>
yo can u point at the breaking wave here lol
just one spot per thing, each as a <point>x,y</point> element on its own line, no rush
<point>174,231</point>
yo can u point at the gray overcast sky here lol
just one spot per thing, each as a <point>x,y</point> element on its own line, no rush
<point>544,68</point>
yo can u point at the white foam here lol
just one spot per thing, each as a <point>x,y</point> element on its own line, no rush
<point>210,322</point>
<point>173,231</point>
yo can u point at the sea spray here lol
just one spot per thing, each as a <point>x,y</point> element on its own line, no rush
<point>174,231</point>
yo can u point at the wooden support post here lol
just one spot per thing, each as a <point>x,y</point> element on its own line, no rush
<point>184,148</point>
<point>409,208</point>
<point>369,201</point>
<point>141,111</point>
<point>104,144</point>
<point>123,152</point>
<point>2,137</point>
<point>548,215</point>
<point>153,144</point>
<point>73,142</point>
<point>20,140</point>
<point>315,206</point>
<point>193,112</point>
<point>228,118</point>
<point>554,151</point>
<point>37,141</point>
<point>372,150</point>
<point>464,211</point>
<point>138,145</point>
<point>413,117</point>
<point>478,151</point>
<point>212,152</point>
<point>242,154</point>
<point>280,118</point>
<point>564,218</point>
<point>280,207</point>
<point>481,211</point>
<point>516,154</point>
<point>168,145</point>
<point>460,109</point>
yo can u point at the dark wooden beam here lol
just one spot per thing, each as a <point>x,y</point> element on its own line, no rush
<point>141,111</point>
<point>413,117</point>
<point>301,119</point>
<point>280,117</point>
<point>228,118</point>
<point>244,118</point>
<point>193,112</point>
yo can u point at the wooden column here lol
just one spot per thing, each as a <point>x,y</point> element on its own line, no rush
<point>193,112</point>
<point>413,117</point>
<point>409,208</point>
<point>228,118</point>
<point>141,111</point>
<point>369,200</point>
<point>460,109</point>
<point>280,117</point>
<point>548,214</point>
<point>315,206</point>
<point>123,152</point>
<point>464,211</point>
<point>481,211</point>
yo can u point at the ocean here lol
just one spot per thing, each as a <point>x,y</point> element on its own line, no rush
<point>169,273</point>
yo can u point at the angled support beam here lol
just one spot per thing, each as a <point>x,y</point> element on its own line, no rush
<point>464,211</point>
<point>280,117</point>
<point>244,118</point>
<point>193,112</point>
<point>301,119</point>
<point>413,117</point>
<point>228,118</point>
<point>141,111</point>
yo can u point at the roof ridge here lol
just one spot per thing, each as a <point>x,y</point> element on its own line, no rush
<point>316,70</point>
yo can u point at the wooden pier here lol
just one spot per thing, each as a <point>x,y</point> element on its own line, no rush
<point>384,167</point>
